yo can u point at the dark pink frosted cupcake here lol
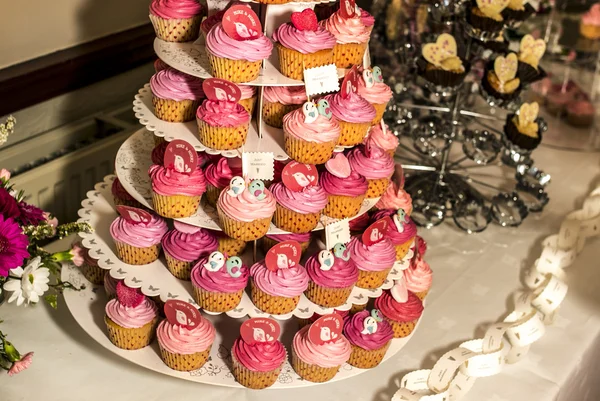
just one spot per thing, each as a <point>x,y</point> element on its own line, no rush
<point>370,336</point>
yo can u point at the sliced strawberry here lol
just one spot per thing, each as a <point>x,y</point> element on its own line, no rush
<point>305,21</point>
<point>128,296</point>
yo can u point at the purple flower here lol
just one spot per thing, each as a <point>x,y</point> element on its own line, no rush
<point>9,208</point>
<point>13,246</point>
<point>30,215</point>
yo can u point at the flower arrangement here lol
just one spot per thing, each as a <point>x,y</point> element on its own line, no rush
<point>28,272</point>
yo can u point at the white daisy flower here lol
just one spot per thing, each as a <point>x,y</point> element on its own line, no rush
<point>30,283</point>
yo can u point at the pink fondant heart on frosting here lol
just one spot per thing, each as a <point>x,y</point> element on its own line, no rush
<point>339,166</point>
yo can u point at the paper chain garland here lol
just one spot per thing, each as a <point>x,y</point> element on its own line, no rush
<point>453,375</point>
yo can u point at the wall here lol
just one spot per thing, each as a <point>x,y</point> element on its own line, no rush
<point>34,28</point>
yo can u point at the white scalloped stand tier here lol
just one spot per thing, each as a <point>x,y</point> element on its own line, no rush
<point>132,163</point>
<point>191,58</point>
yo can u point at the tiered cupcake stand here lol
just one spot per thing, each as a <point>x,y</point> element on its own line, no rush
<point>132,163</point>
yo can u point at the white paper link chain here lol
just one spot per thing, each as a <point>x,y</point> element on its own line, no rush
<point>453,375</point>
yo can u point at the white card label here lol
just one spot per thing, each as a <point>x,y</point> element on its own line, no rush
<point>337,233</point>
<point>321,80</point>
<point>258,165</point>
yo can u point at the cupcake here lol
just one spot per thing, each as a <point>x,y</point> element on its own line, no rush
<point>158,153</point>
<point>229,246</point>
<point>351,36</point>
<point>418,277</point>
<point>402,233</point>
<point>369,336</point>
<point>581,113</point>
<point>344,314</point>
<point>316,360</point>
<point>531,52</point>
<point>310,140</point>
<point>395,198</point>
<point>138,243</point>
<point>270,240</point>
<point>219,282</point>
<point>401,309</point>
<point>300,201</point>
<point>354,115</point>
<point>372,88</point>
<point>209,22</point>
<point>590,23</point>
<point>218,174</point>
<point>374,261</point>
<point>500,78</point>
<point>359,224</point>
<point>303,44</point>
<point>110,285</point>
<point>184,245</point>
<point>222,124</point>
<point>248,98</point>
<point>522,129</point>
<point>559,97</point>
<point>346,189</point>
<point>367,19</point>
<point>90,269</point>
<point>380,135</point>
<point>184,347</point>
<point>517,11</point>
<point>333,276</point>
<point>160,65</point>
<point>176,194</point>
<point>281,100</point>
<point>176,20</point>
<point>236,50</point>
<point>130,319</point>
<point>375,165</point>
<point>245,213</point>
<point>440,63</point>
<point>121,196</point>
<point>175,95</point>
<point>276,289</point>
<point>488,18</point>
<point>258,360</point>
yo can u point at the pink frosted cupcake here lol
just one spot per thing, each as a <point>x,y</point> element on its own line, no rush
<point>110,285</point>
<point>346,189</point>
<point>218,174</point>
<point>277,292</point>
<point>367,19</point>
<point>90,269</point>
<point>121,196</point>
<point>219,282</point>
<point>332,278</point>
<point>158,154</point>
<point>184,348</point>
<point>372,88</point>
<point>248,98</point>
<point>138,244</point>
<point>175,95</point>
<point>310,142</point>
<point>298,212</point>
<point>359,224</point>
<point>401,235</point>
<point>303,44</point>
<point>351,35</point>
<point>160,65</point>
<point>386,140</point>
<point>176,194</point>
<point>395,198</point>
<point>246,215</point>
<point>374,261</point>
<point>227,245</point>
<point>280,100</point>
<point>222,125</point>
<point>184,245</point>
<point>370,337</point>
<point>354,115</point>
<point>402,314</point>
<point>211,21</point>
<point>270,240</point>
<point>418,277</point>
<point>176,20</point>
<point>375,165</point>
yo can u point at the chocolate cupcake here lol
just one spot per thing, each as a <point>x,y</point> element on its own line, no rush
<point>486,17</point>
<point>440,63</point>
<point>522,129</point>
<point>500,79</point>
<point>531,52</point>
<point>517,11</point>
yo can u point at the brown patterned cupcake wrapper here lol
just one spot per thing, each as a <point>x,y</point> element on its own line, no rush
<point>137,256</point>
<point>94,274</point>
<point>292,63</point>
<point>231,246</point>
<point>377,187</point>
<point>212,194</point>
<point>222,138</point>
<point>245,231</point>
<point>402,249</point>
<point>401,329</point>
<point>273,112</point>
<point>249,104</point>
<point>379,110</point>
<point>353,133</point>
<point>349,54</point>
<point>308,152</point>
<point>294,222</point>
<point>253,379</point>
<point>179,268</point>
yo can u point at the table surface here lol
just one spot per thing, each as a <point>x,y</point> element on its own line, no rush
<point>474,276</point>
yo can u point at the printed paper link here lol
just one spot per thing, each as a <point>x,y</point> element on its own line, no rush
<point>552,259</point>
<point>526,329</point>
<point>416,381</point>
<point>445,369</point>
<point>534,278</point>
<point>589,225</point>
<point>515,354</point>
<point>492,340</point>
<point>482,365</point>
<point>568,234</point>
<point>550,295</point>
<point>404,394</point>
<point>461,384</point>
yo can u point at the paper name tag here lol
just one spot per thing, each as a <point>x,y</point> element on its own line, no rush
<point>337,233</point>
<point>320,80</point>
<point>258,165</point>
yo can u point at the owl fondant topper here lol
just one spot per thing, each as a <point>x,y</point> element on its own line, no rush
<point>241,23</point>
<point>372,76</point>
<point>371,321</point>
<point>400,220</point>
<point>237,185</point>
<point>260,330</point>
<point>182,314</point>
<point>297,176</point>
<point>312,111</point>
<point>327,328</point>
<point>284,255</point>
<point>216,261</point>
<point>180,156</point>
<point>341,251</point>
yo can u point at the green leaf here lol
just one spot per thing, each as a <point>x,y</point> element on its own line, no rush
<point>52,300</point>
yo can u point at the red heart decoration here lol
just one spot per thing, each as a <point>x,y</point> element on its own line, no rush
<point>305,21</point>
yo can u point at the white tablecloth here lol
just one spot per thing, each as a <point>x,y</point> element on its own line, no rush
<point>474,276</point>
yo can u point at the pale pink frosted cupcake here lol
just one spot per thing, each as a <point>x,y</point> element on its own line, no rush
<point>176,20</point>
<point>385,139</point>
<point>280,100</point>
<point>372,88</point>
<point>418,277</point>
<point>354,115</point>
<point>351,35</point>
<point>374,261</point>
<point>248,99</point>
<point>138,244</point>
<point>395,198</point>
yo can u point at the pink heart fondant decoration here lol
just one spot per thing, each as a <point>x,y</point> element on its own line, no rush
<point>339,166</point>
